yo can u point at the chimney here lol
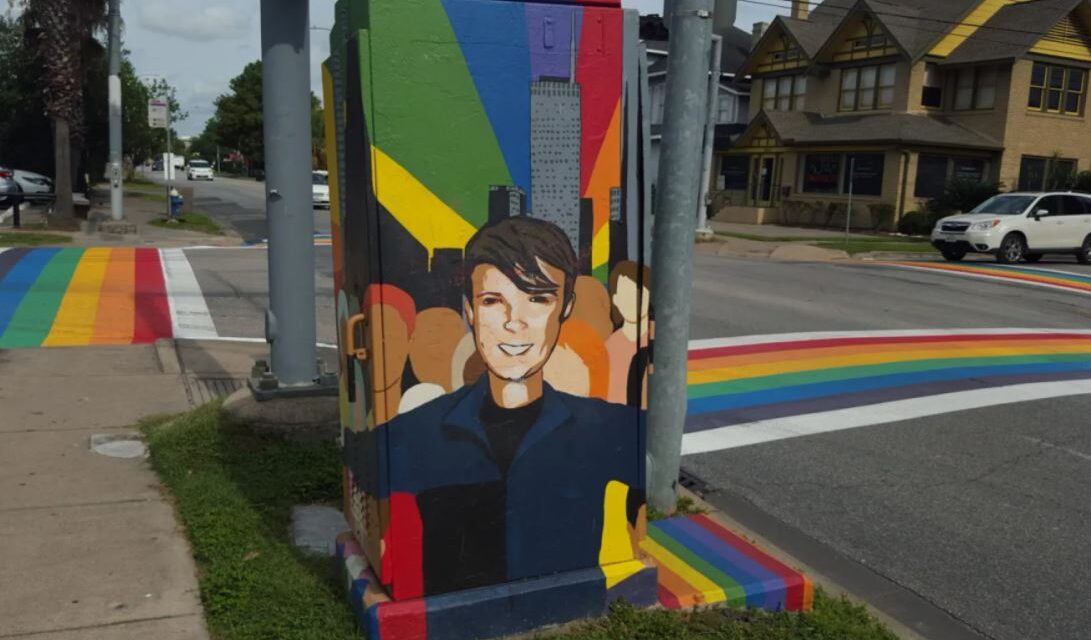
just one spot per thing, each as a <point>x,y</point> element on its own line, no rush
<point>759,31</point>
<point>801,9</point>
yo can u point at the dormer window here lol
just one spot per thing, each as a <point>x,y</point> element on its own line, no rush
<point>784,55</point>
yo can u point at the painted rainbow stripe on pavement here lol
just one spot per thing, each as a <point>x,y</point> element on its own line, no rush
<point>766,379</point>
<point>701,562</point>
<point>1052,278</point>
<point>74,297</point>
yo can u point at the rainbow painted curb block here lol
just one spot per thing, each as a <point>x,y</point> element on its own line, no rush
<point>702,562</point>
<point>486,612</point>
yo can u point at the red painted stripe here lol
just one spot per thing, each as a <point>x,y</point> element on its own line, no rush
<point>668,599</point>
<point>152,311</point>
<point>405,548</point>
<point>598,72</point>
<point>738,350</point>
<point>794,582</point>
<point>403,620</point>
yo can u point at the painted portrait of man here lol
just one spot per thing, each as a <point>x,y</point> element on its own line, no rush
<point>508,478</point>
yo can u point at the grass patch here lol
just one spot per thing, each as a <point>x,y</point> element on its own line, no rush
<point>823,239</point>
<point>854,247</point>
<point>234,492</point>
<point>196,221</point>
<point>832,619</point>
<point>24,239</point>
<point>685,506</point>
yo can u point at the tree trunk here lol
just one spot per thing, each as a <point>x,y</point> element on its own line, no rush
<point>62,170</point>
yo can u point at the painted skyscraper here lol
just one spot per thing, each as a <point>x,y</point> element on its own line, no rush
<point>555,137</point>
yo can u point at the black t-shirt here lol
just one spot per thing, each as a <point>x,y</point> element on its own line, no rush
<point>506,429</point>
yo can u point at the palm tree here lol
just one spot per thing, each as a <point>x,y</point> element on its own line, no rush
<point>58,30</point>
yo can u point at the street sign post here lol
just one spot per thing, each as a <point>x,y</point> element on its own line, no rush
<point>159,118</point>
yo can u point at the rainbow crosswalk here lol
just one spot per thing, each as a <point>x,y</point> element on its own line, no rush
<point>1033,276</point>
<point>750,390</point>
<point>52,297</point>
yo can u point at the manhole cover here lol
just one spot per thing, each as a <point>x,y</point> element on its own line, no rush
<point>122,445</point>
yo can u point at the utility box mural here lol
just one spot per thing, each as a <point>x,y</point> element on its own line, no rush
<point>490,248</point>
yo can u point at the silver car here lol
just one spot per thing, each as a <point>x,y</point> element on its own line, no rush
<point>8,188</point>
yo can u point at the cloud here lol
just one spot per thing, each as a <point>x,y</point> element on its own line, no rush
<point>199,24</point>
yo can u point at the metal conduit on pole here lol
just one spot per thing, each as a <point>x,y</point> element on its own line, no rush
<point>114,81</point>
<point>286,83</point>
<point>672,243</point>
<point>703,229</point>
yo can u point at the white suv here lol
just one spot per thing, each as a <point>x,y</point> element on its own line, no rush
<point>199,170</point>
<point>1019,226</point>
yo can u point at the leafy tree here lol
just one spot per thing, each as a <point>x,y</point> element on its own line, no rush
<point>59,30</point>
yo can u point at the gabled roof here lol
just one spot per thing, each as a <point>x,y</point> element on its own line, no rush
<point>736,45</point>
<point>1012,31</point>
<point>804,128</point>
<point>808,34</point>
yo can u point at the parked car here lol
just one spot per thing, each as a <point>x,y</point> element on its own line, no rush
<point>33,183</point>
<point>1019,226</point>
<point>320,189</point>
<point>199,170</point>
<point>9,189</point>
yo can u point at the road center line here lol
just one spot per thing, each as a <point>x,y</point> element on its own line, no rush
<point>1050,445</point>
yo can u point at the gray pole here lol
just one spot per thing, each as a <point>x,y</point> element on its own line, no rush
<point>286,83</point>
<point>848,210</point>
<point>710,137</point>
<point>672,244</point>
<point>169,164</point>
<point>116,211</point>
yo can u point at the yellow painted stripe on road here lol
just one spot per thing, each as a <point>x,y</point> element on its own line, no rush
<point>427,218</point>
<point>743,372</point>
<point>74,324</point>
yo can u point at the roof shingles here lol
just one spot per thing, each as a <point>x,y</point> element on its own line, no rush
<point>803,128</point>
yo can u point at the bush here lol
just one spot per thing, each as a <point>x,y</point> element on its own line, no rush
<point>918,223</point>
<point>1082,182</point>
<point>882,216</point>
<point>961,195</point>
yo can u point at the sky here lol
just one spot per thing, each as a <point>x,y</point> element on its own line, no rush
<point>198,46</point>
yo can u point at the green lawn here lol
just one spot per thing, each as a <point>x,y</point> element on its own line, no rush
<point>874,239</point>
<point>25,239</point>
<point>864,246</point>
<point>234,491</point>
<point>195,221</point>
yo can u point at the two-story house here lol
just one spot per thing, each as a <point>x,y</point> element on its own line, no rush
<point>893,100</point>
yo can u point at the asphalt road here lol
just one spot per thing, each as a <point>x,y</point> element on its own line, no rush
<point>971,524</point>
<point>240,204</point>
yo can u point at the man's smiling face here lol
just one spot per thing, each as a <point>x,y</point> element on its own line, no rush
<point>515,331</point>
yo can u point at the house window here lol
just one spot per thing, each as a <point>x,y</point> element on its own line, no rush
<point>866,171</point>
<point>829,173</point>
<point>821,173</point>
<point>1056,89</point>
<point>932,92</point>
<point>725,112</point>
<point>975,88</point>
<point>786,55</point>
<point>786,93</point>
<point>1044,174</point>
<point>867,88</point>
<point>735,171</point>
<point>934,172</point>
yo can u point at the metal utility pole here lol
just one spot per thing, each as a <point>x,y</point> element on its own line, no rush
<point>848,210</point>
<point>672,243</point>
<point>116,211</point>
<point>286,84</point>
<point>710,136</point>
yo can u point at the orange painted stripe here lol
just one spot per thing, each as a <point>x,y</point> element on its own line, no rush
<point>808,594</point>
<point>1006,275</point>
<point>791,355</point>
<point>117,303</point>
<point>686,594</point>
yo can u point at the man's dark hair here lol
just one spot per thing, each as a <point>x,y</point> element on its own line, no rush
<point>514,246</point>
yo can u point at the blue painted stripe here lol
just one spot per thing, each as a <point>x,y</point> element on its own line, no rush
<point>19,279</point>
<point>757,581</point>
<point>1058,273</point>
<point>824,389</point>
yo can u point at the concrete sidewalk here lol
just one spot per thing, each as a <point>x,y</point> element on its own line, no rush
<point>775,231</point>
<point>91,547</point>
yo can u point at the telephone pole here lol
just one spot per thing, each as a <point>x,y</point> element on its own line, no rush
<point>673,239</point>
<point>116,211</point>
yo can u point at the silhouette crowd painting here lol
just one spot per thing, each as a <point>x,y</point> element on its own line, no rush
<point>494,306</point>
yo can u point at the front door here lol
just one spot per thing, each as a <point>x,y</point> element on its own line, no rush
<point>765,180</point>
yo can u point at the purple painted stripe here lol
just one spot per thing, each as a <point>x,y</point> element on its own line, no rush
<point>849,400</point>
<point>549,35</point>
